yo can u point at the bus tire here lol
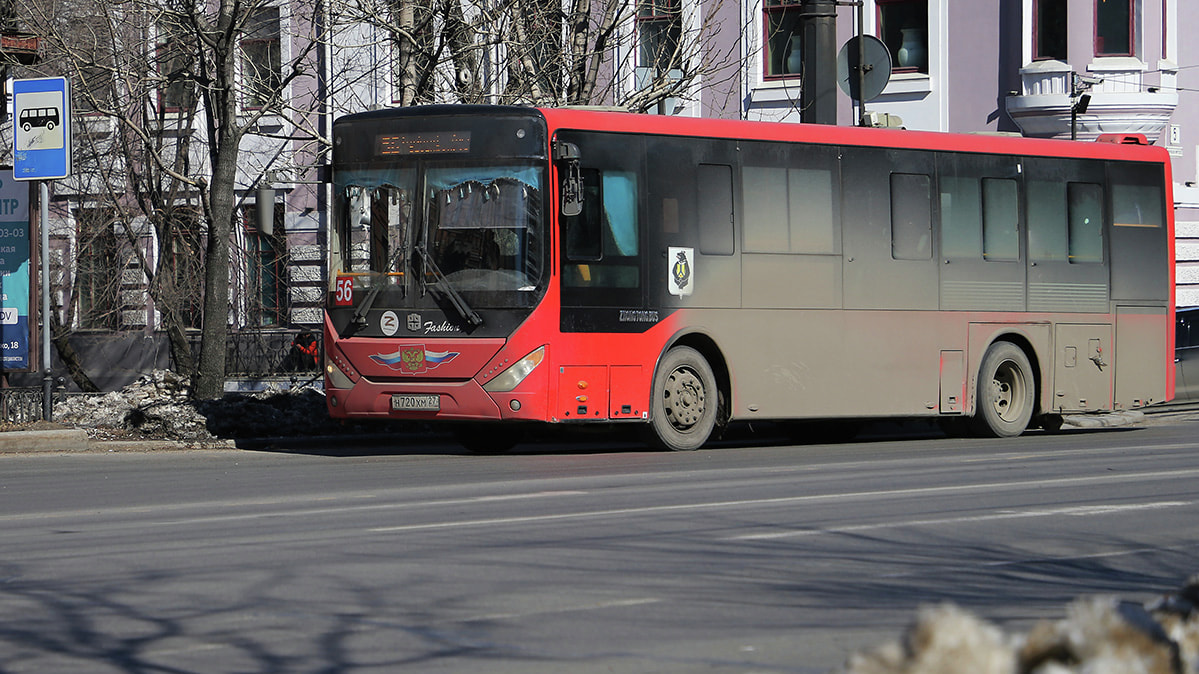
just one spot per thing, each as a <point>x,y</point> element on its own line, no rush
<point>685,402</point>
<point>1006,392</point>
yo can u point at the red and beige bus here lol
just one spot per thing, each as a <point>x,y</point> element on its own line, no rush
<point>498,267</point>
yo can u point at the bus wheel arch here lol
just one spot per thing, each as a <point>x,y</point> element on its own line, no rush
<point>689,395</point>
<point>1007,388</point>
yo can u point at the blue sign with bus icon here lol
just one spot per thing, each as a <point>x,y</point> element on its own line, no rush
<point>42,129</point>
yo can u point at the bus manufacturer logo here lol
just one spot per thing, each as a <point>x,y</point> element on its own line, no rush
<point>681,270</point>
<point>414,359</point>
<point>414,322</point>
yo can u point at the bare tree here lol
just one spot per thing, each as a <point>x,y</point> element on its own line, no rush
<point>631,54</point>
<point>160,83</point>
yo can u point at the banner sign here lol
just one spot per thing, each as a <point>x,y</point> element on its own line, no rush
<point>15,290</point>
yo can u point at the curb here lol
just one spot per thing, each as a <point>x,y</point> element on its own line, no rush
<point>25,442</point>
<point>1104,420</point>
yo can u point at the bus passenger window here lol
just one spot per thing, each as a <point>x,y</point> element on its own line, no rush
<point>961,221</point>
<point>812,210</point>
<point>715,209</point>
<point>1001,219</point>
<point>1086,222</point>
<point>1136,205</point>
<point>605,234</point>
<point>620,211</point>
<point>911,217</point>
<point>765,198</point>
<point>1047,238</point>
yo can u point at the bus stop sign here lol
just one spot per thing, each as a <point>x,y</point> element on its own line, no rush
<point>41,129</point>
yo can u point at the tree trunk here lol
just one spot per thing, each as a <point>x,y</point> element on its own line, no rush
<point>70,357</point>
<point>224,139</point>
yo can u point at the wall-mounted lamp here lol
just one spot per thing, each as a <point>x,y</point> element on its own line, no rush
<point>1080,100</point>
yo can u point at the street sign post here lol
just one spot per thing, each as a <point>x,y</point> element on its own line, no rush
<point>42,151</point>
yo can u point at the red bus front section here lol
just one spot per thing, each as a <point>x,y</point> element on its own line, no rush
<point>537,374</point>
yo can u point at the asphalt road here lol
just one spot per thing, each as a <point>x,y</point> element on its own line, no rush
<point>572,557</point>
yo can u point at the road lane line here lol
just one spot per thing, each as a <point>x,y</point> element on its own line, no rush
<point>791,500</point>
<point>1073,511</point>
<point>1039,560</point>
<point>176,507</point>
<point>516,615</point>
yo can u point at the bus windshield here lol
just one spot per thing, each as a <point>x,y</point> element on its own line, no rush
<point>481,226</point>
<point>475,228</point>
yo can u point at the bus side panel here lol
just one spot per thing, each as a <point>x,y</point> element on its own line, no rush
<point>1082,371</point>
<point>820,364</point>
<point>813,363</point>
<point>1141,356</point>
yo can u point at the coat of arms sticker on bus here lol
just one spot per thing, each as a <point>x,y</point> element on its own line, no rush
<point>682,277</point>
<point>414,359</point>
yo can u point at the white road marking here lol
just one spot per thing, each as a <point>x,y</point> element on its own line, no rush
<point>790,500</point>
<point>1074,511</point>
<point>595,606</point>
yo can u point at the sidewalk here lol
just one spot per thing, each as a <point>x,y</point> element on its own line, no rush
<point>67,440</point>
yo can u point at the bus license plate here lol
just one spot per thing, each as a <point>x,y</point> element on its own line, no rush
<point>416,403</point>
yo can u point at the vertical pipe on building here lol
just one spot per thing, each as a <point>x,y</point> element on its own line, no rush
<point>818,26</point>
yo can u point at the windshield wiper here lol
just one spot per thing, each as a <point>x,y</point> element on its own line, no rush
<point>359,319</point>
<point>469,315</point>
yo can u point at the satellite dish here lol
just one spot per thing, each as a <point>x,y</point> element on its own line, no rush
<point>876,67</point>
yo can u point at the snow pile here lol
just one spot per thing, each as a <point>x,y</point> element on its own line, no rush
<point>1099,635</point>
<point>157,406</point>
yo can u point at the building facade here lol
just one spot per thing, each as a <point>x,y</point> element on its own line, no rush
<point>1046,68</point>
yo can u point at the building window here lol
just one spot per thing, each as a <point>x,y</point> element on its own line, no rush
<point>1050,29</point>
<point>174,58</point>
<point>1113,28</point>
<point>903,27</point>
<point>783,56</point>
<point>98,269</point>
<point>262,59</point>
<point>659,31</point>
<point>266,262</point>
<point>265,282</point>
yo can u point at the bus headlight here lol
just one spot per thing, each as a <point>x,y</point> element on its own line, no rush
<point>513,376</point>
<point>337,378</point>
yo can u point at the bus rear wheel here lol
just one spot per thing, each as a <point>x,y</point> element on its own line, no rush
<point>685,402</point>
<point>1006,392</point>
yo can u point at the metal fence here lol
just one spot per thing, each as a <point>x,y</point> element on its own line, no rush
<point>114,361</point>
<point>23,404</point>
<point>265,353</point>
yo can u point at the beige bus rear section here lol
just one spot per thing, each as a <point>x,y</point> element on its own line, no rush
<point>816,363</point>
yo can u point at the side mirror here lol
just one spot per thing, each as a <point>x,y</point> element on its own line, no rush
<point>572,186</point>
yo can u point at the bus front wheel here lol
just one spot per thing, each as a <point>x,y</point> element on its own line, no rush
<point>1006,392</point>
<point>685,401</point>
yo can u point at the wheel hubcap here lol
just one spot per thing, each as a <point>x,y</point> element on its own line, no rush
<point>1007,391</point>
<point>685,398</point>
